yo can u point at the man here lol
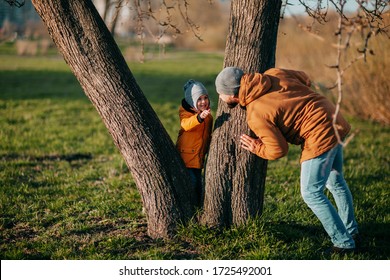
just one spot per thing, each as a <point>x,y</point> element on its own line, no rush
<point>282,108</point>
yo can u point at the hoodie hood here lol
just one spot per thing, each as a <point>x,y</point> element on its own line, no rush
<point>252,87</point>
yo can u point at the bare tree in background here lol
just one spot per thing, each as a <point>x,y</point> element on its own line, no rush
<point>16,3</point>
<point>154,17</point>
<point>112,9</point>
<point>365,23</point>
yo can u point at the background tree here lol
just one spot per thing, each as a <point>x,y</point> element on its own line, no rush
<point>353,29</point>
<point>111,12</point>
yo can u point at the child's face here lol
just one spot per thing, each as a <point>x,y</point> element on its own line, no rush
<point>203,103</point>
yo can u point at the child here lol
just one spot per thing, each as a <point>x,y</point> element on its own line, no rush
<point>195,132</point>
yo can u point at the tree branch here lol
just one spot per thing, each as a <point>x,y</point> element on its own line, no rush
<point>15,3</point>
<point>367,23</point>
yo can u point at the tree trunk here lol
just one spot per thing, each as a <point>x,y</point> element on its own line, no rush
<point>92,54</point>
<point>111,17</point>
<point>235,178</point>
<point>107,7</point>
<point>115,18</point>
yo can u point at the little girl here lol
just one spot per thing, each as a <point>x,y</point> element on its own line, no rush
<point>195,131</point>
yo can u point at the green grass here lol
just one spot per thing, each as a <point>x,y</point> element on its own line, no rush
<point>66,193</point>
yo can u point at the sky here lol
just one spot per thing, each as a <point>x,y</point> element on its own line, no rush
<point>297,8</point>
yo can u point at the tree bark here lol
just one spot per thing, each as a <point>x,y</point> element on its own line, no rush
<point>235,178</point>
<point>92,54</point>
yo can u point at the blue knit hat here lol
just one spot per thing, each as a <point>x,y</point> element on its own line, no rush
<point>192,91</point>
<point>228,81</point>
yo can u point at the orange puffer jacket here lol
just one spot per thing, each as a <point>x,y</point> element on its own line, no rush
<point>194,137</point>
<point>281,107</point>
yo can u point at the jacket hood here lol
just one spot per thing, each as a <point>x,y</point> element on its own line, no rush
<point>252,87</point>
<point>187,106</point>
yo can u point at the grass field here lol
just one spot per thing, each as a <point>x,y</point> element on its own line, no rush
<point>66,193</point>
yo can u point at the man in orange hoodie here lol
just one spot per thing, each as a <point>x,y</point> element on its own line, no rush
<point>282,108</point>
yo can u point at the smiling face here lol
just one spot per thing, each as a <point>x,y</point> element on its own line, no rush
<point>203,102</point>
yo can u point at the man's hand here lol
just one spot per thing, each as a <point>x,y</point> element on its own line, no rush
<point>248,143</point>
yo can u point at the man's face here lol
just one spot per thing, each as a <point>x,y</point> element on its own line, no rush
<point>230,100</point>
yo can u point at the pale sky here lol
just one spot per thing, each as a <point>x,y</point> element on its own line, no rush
<point>297,8</point>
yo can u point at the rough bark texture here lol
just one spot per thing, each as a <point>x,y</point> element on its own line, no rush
<point>235,178</point>
<point>89,49</point>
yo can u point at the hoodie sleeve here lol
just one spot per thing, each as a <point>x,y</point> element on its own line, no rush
<point>188,120</point>
<point>273,145</point>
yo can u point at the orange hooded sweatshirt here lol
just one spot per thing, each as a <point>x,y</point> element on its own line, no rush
<point>281,108</point>
<point>194,137</point>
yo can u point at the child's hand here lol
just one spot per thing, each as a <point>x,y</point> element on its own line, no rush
<point>204,113</point>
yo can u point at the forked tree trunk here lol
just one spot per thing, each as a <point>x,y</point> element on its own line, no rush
<point>235,178</point>
<point>92,54</point>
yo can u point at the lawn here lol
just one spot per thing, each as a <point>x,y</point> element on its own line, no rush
<point>66,193</point>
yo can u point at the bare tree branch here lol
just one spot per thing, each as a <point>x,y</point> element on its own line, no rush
<point>171,16</point>
<point>339,34</point>
<point>366,23</point>
<point>15,3</point>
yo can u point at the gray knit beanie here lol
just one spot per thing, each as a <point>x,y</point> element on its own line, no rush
<point>192,91</point>
<point>228,81</point>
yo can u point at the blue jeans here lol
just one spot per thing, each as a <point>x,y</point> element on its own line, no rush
<point>323,171</point>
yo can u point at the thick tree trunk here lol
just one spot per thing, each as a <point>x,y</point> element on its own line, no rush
<point>89,49</point>
<point>235,178</point>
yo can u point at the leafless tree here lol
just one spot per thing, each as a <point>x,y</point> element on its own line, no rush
<point>365,23</point>
<point>15,3</point>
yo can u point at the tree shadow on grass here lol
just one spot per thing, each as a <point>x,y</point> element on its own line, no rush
<point>374,243</point>
<point>375,240</point>
<point>125,239</point>
<point>51,157</point>
<point>24,84</point>
<point>157,87</point>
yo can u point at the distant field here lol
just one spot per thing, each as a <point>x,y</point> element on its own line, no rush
<point>66,193</point>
